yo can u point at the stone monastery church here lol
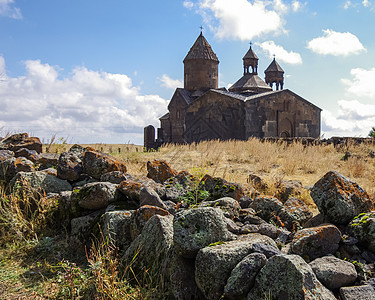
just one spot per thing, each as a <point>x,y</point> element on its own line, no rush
<point>250,108</point>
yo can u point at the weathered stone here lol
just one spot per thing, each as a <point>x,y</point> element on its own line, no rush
<point>151,248</point>
<point>197,228</point>
<point>132,188</point>
<point>214,264</point>
<point>298,210</point>
<point>5,154</point>
<point>265,249</point>
<point>68,208</point>
<point>257,182</point>
<point>243,275</point>
<point>219,188</point>
<point>114,177</point>
<point>11,166</point>
<point>178,186</point>
<point>269,230</point>
<point>288,277</point>
<point>141,216</point>
<point>315,242</point>
<point>159,171</point>
<point>363,228</point>
<point>31,155</point>
<point>47,160</point>
<point>96,163</point>
<point>21,140</point>
<point>334,272</point>
<point>229,206</point>
<point>116,228</point>
<point>70,166</point>
<point>96,195</point>
<point>362,292</point>
<point>50,171</point>
<point>148,196</point>
<point>287,188</point>
<point>340,199</point>
<point>232,226</point>
<point>82,227</point>
<point>271,209</point>
<point>39,182</point>
<point>182,280</point>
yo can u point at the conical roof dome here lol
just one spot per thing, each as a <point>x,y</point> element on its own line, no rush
<point>250,54</point>
<point>274,67</point>
<point>201,50</point>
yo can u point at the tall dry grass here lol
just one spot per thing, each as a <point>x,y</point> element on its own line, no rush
<point>236,160</point>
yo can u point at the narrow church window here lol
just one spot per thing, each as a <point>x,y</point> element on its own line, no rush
<point>178,114</point>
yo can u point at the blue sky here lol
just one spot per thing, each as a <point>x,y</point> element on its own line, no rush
<point>99,71</point>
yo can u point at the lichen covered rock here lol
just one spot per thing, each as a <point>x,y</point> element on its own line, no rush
<point>70,165</point>
<point>159,171</point>
<point>214,264</point>
<point>363,228</point>
<point>315,242</point>
<point>229,206</point>
<point>340,199</point>
<point>334,272</point>
<point>219,188</point>
<point>96,195</point>
<point>197,228</point>
<point>21,140</point>
<point>96,163</point>
<point>288,277</point>
<point>243,275</point>
<point>116,227</point>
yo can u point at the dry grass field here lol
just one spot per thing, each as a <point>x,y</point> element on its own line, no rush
<point>236,160</point>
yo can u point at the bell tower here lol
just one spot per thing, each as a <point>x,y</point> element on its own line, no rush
<point>201,66</point>
<point>250,60</point>
<point>275,74</point>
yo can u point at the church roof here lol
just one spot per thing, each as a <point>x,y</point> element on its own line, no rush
<point>274,67</point>
<point>201,50</point>
<point>250,82</point>
<point>250,54</point>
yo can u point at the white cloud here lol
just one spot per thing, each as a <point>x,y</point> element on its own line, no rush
<point>170,83</point>
<point>352,119</point>
<point>348,4</point>
<point>280,6</point>
<point>8,10</point>
<point>336,43</point>
<point>362,83</point>
<point>88,106</point>
<point>240,19</point>
<point>296,6</point>
<point>281,54</point>
<point>366,3</point>
<point>188,4</point>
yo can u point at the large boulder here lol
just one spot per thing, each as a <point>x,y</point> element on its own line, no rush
<point>229,206</point>
<point>141,216</point>
<point>39,182</point>
<point>316,242</point>
<point>242,277</point>
<point>21,140</point>
<point>116,227</point>
<point>150,251</point>
<point>334,272</point>
<point>96,163</point>
<point>286,188</point>
<point>148,196</point>
<point>288,277</point>
<point>214,264</point>
<point>96,195</point>
<point>197,228</point>
<point>132,187</point>
<point>31,155</point>
<point>11,166</point>
<point>363,228</point>
<point>159,171</point>
<point>47,160</point>
<point>70,164</point>
<point>362,292</point>
<point>340,199</point>
<point>272,209</point>
<point>219,188</point>
<point>5,154</point>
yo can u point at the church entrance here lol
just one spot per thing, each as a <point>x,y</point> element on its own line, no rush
<point>285,128</point>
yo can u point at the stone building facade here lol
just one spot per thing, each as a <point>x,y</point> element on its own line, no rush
<point>249,108</point>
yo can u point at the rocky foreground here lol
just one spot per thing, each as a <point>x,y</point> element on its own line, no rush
<point>208,238</point>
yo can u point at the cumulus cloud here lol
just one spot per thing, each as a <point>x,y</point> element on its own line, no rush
<point>170,83</point>
<point>352,119</point>
<point>88,106</point>
<point>336,43</point>
<point>362,83</point>
<point>241,19</point>
<point>281,54</point>
<point>296,6</point>
<point>8,10</point>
